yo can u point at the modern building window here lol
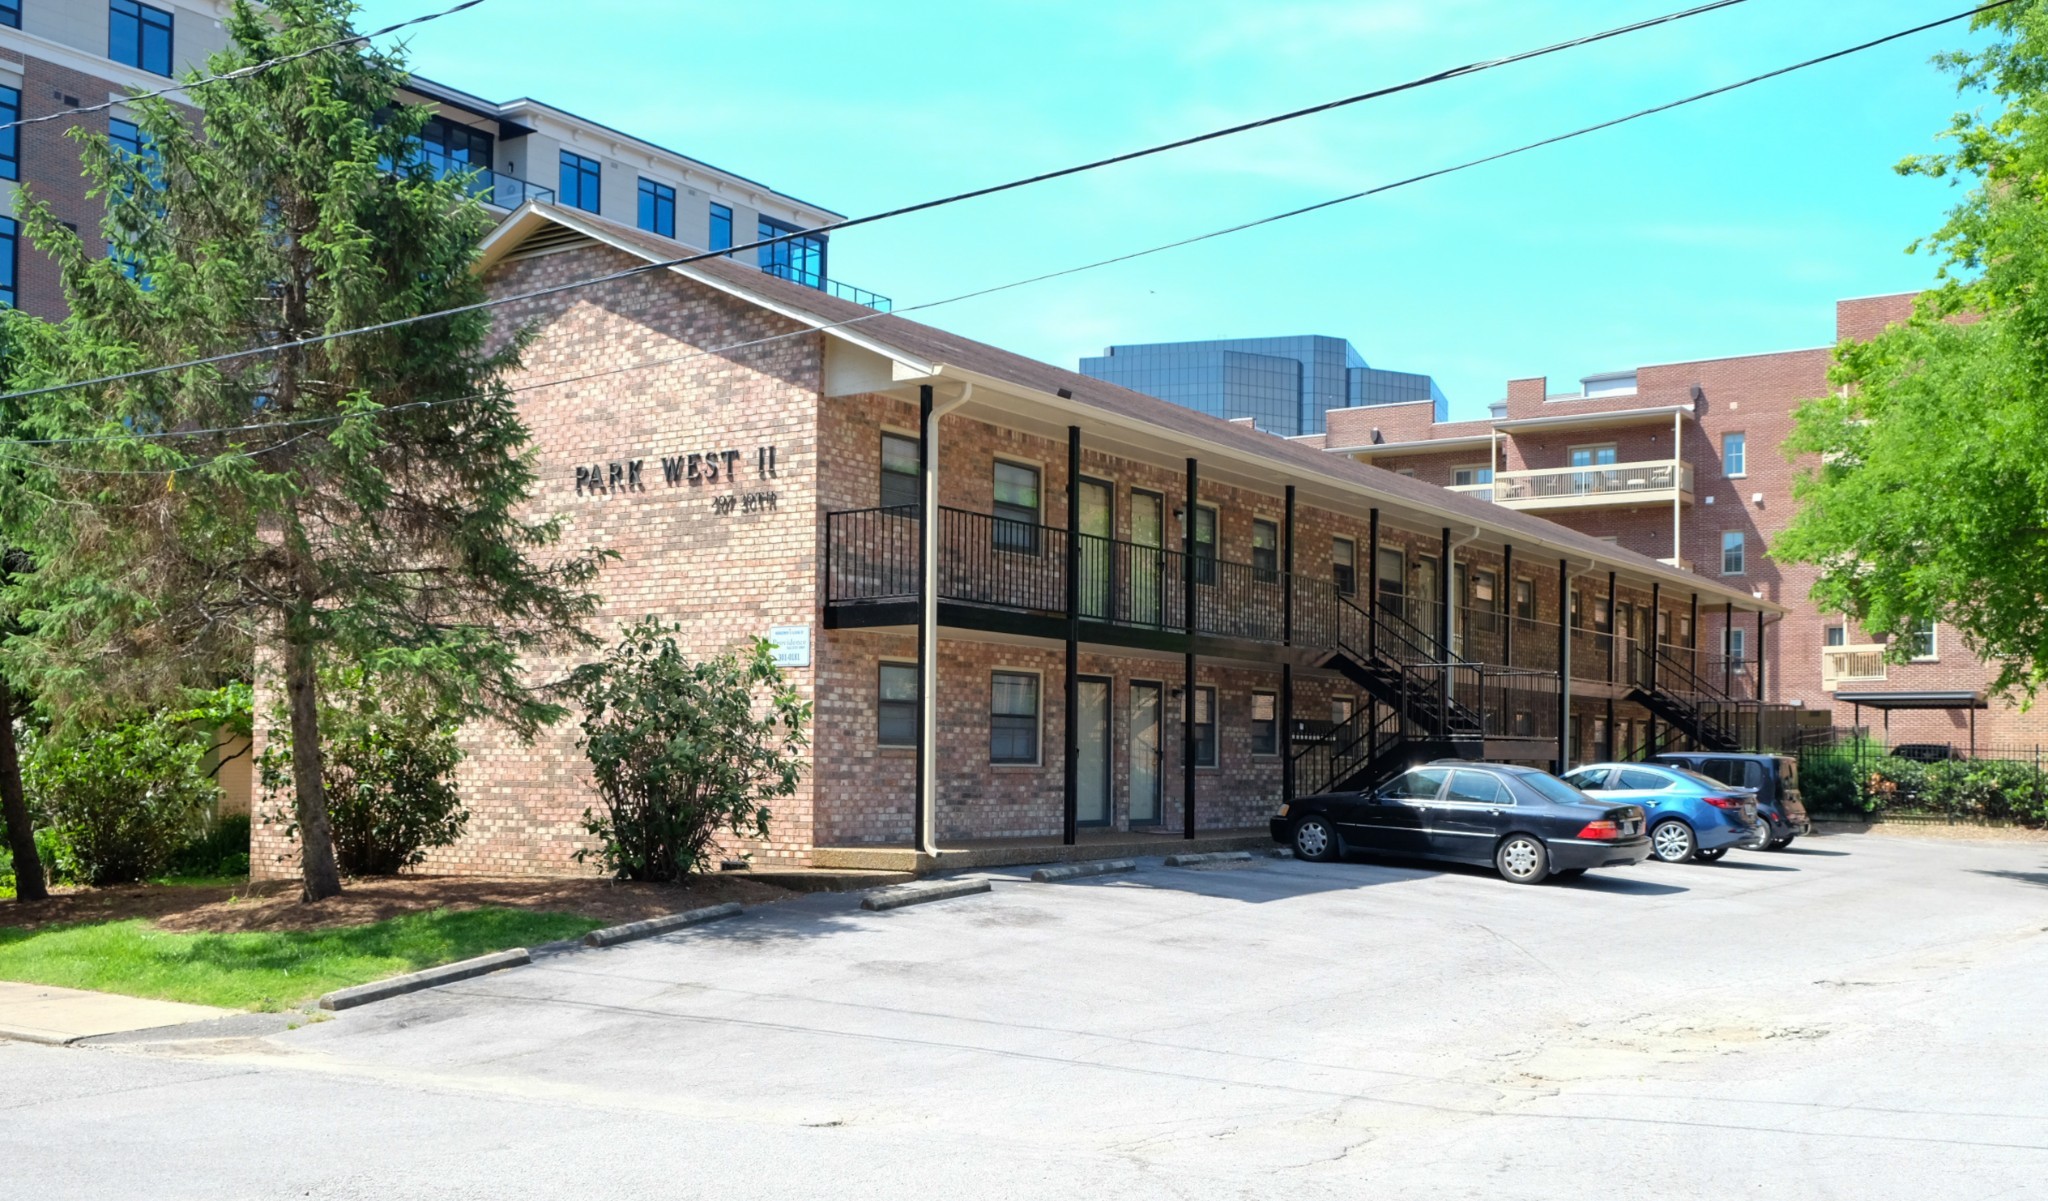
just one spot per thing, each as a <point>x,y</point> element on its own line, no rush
<point>900,483</point>
<point>10,13</point>
<point>1265,551</point>
<point>127,136</point>
<point>1013,718</point>
<point>1205,544</point>
<point>721,227</point>
<point>1599,455</point>
<point>657,208</point>
<point>1016,508</point>
<point>1734,455</point>
<point>9,259</point>
<point>1344,565</point>
<point>1205,726</point>
<point>1733,557</point>
<point>1465,477</point>
<point>1735,644</point>
<point>10,137</point>
<point>1921,640</point>
<point>1265,723</point>
<point>580,179</point>
<point>139,36</point>
<point>1838,635</point>
<point>452,148</point>
<point>896,705</point>
<point>797,259</point>
<point>1525,599</point>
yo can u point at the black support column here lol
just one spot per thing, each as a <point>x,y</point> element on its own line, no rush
<point>1372,582</point>
<point>1564,666</point>
<point>921,805</point>
<point>1507,582</point>
<point>1650,661</point>
<point>1727,652</point>
<point>1285,734</point>
<point>1760,680</point>
<point>1070,794</point>
<point>1187,725</point>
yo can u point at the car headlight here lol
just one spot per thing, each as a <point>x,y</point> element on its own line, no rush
<point>1283,810</point>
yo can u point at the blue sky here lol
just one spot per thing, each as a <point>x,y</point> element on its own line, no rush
<point>1727,227</point>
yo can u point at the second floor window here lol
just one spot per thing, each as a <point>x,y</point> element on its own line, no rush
<point>1733,553</point>
<point>1265,551</point>
<point>900,483</point>
<point>1837,636</point>
<point>1344,565</point>
<point>139,36</point>
<point>1525,599</point>
<point>10,138</point>
<point>1205,544</point>
<point>1016,508</point>
<point>1921,640</point>
<point>580,178</point>
<point>1734,455</point>
<point>798,259</point>
<point>10,13</point>
<point>1265,723</point>
<point>721,228</point>
<point>657,208</point>
<point>8,258</point>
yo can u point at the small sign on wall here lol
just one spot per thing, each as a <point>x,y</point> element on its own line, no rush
<point>790,645</point>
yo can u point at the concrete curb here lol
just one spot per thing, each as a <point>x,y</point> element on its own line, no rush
<point>447,973</point>
<point>918,894</point>
<point>1196,860</point>
<point>1071,871</point>
<point>612,935</point>
<point>1280,853</point>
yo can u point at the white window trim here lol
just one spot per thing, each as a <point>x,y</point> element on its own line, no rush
<point>1743,544</point>
<point>999,669</point>
<point>896,661</point>
<point>1744,435</point>
<point>1933,654</point>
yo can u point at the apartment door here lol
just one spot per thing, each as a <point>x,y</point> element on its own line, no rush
<point>1461,598</point>
<point>1393,575</point>
<point>1098,548</point>
<point>1091,772</point>
<point>1146,744</point>
<point>1423,613</point>
<point>1148,560</point>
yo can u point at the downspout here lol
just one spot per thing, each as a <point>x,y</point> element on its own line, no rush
<point>928,628</point>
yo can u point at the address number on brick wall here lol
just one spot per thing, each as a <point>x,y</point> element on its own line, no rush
<point>745,502</point>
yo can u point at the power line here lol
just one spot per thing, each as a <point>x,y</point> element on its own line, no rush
<point>1128,256</point>
<point>238,72</point>
<point>900,211</point>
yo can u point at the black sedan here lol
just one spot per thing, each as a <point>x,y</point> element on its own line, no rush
<point>1525,823</point>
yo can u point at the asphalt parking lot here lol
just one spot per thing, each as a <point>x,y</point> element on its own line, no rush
<point>1859,1017</point>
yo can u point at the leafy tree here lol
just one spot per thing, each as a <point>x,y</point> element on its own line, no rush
<point>324,502</point>
<point>1929,501</point>
<point>683,750</point>
<point>124,798</point>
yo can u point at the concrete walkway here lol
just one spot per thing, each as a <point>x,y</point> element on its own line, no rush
<point>38,1013</point>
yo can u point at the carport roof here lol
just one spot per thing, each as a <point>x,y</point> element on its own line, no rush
<point>1914,700</point>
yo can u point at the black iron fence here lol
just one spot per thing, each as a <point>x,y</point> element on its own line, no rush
<point>1848,774</point>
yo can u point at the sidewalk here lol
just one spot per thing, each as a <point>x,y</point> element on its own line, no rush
<point>38,1013</point>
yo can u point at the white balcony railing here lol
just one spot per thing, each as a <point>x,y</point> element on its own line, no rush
<point>1606,484</point>
<point>1860,664</point>
<point>1476,491</point>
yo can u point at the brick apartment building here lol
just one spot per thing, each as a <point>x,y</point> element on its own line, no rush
<point>1113,587</point>
<point>1684,462</point>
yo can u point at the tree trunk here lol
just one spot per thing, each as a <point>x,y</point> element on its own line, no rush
<point>28,868</point>
<point>316,837</point>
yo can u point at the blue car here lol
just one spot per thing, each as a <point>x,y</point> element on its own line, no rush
<point>1691,817</point>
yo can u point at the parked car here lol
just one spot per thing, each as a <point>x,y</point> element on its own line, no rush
<point>1526,824</point>
<point>1775,778</point>
<point>1691,817</point>
<point>1925,752</point>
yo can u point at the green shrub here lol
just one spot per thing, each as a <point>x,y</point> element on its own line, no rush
<point>1829,780</point>
<point>2000,790</point>
<point>118,802</point>
<point>221,849</point>
<point>682,750</point>
<point>388,757</point>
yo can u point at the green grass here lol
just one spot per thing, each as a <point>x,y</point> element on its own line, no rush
<point>266,970</point>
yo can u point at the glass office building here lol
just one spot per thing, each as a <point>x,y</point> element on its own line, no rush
<point>1283,384</point>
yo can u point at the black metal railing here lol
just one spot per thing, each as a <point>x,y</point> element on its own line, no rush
<point>815,279</point>
<point>1346,749</point>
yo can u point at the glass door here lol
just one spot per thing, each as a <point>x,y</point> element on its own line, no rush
<point>1098,548</point>
<point>1091,774</point>
<point>1146,746</point>
<point>1148,561</point>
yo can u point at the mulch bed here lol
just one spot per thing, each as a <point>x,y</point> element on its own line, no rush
<point>275,904</point>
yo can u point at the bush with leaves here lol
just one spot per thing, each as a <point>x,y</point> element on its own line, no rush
<point>389,750</point>
<point>119,801</point>
<point>681,751</point>
<point>220,849</point>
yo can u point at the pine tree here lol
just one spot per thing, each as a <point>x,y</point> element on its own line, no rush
<point>361,496</point>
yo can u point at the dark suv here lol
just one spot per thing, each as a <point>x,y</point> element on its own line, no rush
<point>1780,815</point>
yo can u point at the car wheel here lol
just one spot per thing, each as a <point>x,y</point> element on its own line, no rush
<point>1713,856</point>
<point>1672,841</point>
<point>1522,860</point>
<point>1784,842</point>
<point>1762,841</point>
<point>1314,839</point>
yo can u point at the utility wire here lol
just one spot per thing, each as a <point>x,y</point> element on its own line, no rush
<point>1254,223</point>
<point>238,72</point>
<point>900,211</point>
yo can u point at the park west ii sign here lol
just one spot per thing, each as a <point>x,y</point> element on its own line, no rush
<point>685,471</point>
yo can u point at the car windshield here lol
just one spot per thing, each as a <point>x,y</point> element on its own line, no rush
<point>1554,790</point>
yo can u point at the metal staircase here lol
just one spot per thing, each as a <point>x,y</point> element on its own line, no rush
<point>1669,688</point>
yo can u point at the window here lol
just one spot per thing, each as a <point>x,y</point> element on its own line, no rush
<point>1205,544</point>
<point>1407,471</point>
<point>1726,771</point>
<point>139,36</point>
<point>1422,784</point>
<point>1732,559</point>
<point>721,227</point>
<point>1485,616</point>
<point>1205,726</point>
<point>1921,640</point>
<point>1476,788</point>
<point>9,258</point>
<point>1734,455</point>
<point>896,705</point>
<point>1524,723</point>
<point>1464,477</point>
<point>1525,599</point>
<point>1016,508</point>
<point>798,259</point>
<point>1838,635</point>
<point>580,178</point>
<point>1589,779</point>
<point>1013,718</point>
<point>10,139</point>
<point>1265,551</point>
<point>1393,573</point>
<point>1593,456</point>
<point>10,13</point>
<point>1735,644</point>
<point>900,483</point>
<point>1635,779</point>
<point>1344,565</point>
<point>1265,723</point>
<point>1341,709</point>
<point>657,208</point>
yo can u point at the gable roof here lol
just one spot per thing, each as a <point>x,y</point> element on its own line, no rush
<point>932,351</point>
